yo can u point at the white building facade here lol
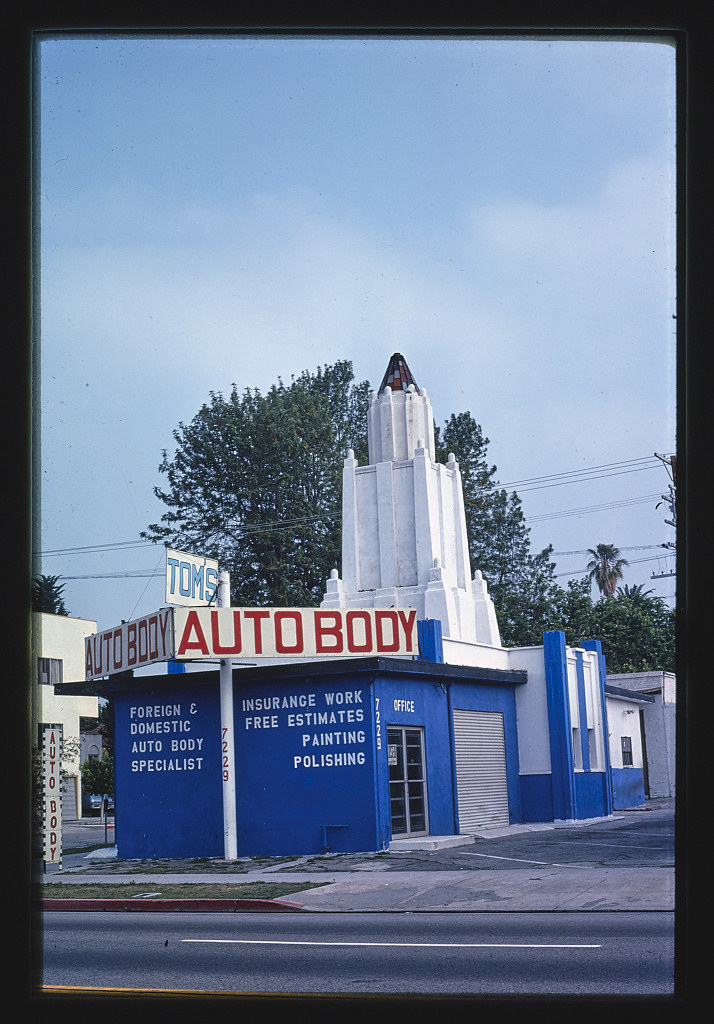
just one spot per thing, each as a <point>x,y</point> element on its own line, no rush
<point>59,641</point>
<point>404,541</point>
<point>657,727</point>
<point>404,544</point>
<point>463,736</point>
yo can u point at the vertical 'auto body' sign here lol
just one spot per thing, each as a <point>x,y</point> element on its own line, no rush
<point>51,794</point>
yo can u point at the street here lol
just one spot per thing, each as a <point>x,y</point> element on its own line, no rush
<point>382,927</point>
<point>435,953</point>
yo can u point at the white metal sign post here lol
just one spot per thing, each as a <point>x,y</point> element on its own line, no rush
<point>230,830</point>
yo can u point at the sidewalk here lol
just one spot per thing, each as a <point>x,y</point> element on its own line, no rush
<point>367,887</point>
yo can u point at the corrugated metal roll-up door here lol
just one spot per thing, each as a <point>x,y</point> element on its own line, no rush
<point>69,799</point>
<point>480,769</point>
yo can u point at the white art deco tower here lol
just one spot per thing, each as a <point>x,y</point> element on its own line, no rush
<point>404,538</point>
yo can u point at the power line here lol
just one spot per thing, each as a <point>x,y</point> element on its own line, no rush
<point>289,523</point>
<point>636,547</point>
<point>584,475</point>
<point>635,561</point>
<point>144,574</point>
<point>536,483</point>
<point>586,469</point>
<point>130,574</point>
<point>591,508</point>
<point>120,545</point>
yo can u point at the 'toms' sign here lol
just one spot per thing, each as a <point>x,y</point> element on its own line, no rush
<point>294,632</point>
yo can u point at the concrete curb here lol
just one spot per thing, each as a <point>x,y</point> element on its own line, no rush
<point>225,906</point>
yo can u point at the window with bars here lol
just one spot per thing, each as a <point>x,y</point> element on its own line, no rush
<point>627,761</point>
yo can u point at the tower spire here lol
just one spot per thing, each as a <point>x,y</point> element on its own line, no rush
<point>398,376</point>
<point>404,541</point>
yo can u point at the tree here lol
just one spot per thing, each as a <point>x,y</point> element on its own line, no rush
<point>635,627</point>
<point>98,776</point>
<point>606,567</point>
<point>522,585</point>
<point>636,592</point>
<point>574,615</point>
<point>637,635</point>
<point>47,595</point>
<point>256,482</point>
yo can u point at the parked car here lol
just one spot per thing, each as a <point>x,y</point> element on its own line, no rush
<point>92,804</point>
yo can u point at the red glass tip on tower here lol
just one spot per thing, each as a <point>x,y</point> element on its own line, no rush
<point>398,376</point>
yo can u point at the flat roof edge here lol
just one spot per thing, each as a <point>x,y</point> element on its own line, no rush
<point>302,670</point>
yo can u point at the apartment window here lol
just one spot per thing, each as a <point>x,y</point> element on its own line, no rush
<point>626,751</point>
<point>593,749</point>
<point>49,670</point>
<point>577,750</point>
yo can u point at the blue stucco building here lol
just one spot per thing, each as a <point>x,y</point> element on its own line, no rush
<point>346,754</point>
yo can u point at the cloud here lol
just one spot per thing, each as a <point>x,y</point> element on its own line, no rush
<point>603,254</point>
<point>563,307</point>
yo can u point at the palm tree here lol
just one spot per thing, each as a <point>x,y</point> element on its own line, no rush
<point>605,567</point>
<point>635,593</point>
<point>47,595</point>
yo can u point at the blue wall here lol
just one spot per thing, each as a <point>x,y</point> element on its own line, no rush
<point>575,795</point>
<point>596,646</point>
<point>537,798</point>
<point>430,713</point>
<point>562,764</point>
<point>628,788</point>
<point>590,794</point>
<point>167,774</point>
<point>304,763</point>
<point>311,756</point>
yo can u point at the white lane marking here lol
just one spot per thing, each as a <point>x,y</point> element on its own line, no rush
<point>400,945</point>
<point>518,860</point>
<point>619,846</point>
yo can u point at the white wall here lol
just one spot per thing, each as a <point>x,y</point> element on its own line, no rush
<point>532,711</point>
<point>594,740</point>
<point>623,719</point>
<point>593,701</point>
<point>660,726</point>
<point>62,637</point>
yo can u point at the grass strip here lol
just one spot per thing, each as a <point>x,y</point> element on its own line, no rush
<point>195,865</point>
<point>177,891</point>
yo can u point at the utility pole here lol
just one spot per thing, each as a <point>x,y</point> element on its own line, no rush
<point>670,500</point>
<point>228,770</point>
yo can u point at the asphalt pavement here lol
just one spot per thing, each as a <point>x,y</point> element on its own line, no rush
<point>431,874</point>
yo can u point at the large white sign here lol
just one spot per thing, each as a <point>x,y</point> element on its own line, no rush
<point>294,632</point>
<point>190,579</point>
<point>188,634</point>
<point>133,644</point>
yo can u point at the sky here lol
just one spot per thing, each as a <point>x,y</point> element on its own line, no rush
<point>230,210</point>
